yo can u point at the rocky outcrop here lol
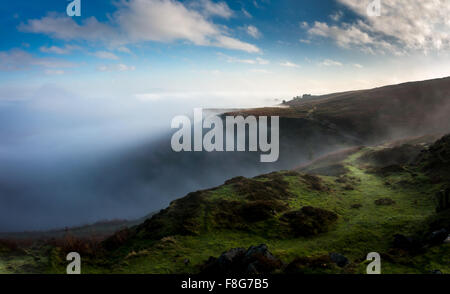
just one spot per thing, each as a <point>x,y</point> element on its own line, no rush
<point>255,260</point>
<point>339,259</point>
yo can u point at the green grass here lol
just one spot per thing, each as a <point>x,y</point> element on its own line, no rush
<point>28,261</point>
<point>356,233</point>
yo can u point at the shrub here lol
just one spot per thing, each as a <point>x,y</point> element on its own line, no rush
<point>356,206</point>
<point>314,182</point>
<point>261,210</point>
<point>273,189</point>
<point>384,201</point>
<point>309,220</point>
<point>84,246</point>
<point>118,239</point>
<point>8,245</point>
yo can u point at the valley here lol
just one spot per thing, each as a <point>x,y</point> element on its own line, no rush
<point>359,172</point>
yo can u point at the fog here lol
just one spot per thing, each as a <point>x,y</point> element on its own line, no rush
<point>66,160</point>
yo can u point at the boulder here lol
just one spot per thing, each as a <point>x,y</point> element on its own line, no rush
<point>339,259</point>
<point>438,237</point>
<point>406,243</point>
<point>255,260</point>
<point>231,255</point>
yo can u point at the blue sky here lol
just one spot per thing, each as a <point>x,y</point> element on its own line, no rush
<point>240,53</point>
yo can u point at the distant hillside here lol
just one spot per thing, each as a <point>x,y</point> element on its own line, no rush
<point>402,110</point>
<point>98,230</point>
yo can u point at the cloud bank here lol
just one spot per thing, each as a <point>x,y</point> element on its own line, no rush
<point>403,27</point>
<point>138,21</point>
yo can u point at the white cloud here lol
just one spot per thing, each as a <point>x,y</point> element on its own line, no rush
<point>150,97</point>
<point>57,72</point>
<point>260,71</point>
<point>255,61</point>
<point>403,27</point>
<point>262,61</point>
<point>231,43</point>
<point>345,36</point>
<point>305,41</point>
<point>124,49</point>
<point>330,62</point>
<point>146,20</point>
<point>15,60</point>
<point>18,59</point>
<point>337,15</point>
<point>254,32</point>
<point>289,64</point>
<point>209,8</point>
<point>116,67</point>
<point>65,28</point>
<point>357,65</point>
<point>246,13</point>
<point>52,63</point>
<point>58,50</point>
<point>105,55</point>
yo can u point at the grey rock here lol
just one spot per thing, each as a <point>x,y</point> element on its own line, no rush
<point>255,260</point>
<point>406,243</point>
<point>438,237</point>
<point>339,259</point>
<point>230,256</point>
<point>447,241</point>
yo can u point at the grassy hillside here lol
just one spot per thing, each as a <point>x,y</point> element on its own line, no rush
<point>374,195</point>
<point>410,109</point>
<point>391,197</point>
